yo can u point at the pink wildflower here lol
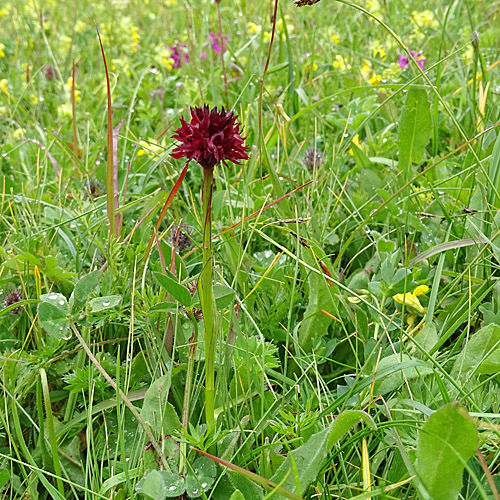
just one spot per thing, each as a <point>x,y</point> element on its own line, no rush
<point>404,61</point>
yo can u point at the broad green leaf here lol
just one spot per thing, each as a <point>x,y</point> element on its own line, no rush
<point>201,478</point>
<point>446,441</point>
<point>383,385</point>
<point>178,291</point>
<point>414,130</point>
<point>101,303</point>
<point>156,410</point>
<point>311,457</point>
<point>54,319</point>
<point>160,484</point>
<point>481,354</point>
<point>83,289</point>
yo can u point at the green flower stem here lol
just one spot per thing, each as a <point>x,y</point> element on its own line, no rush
<point>187,392</point>
<point>207,297</point>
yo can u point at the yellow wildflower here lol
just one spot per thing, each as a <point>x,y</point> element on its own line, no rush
<point>468,54</point>
<point>4,11</point>
<point>18,133</point>
<point>339,63</point>
<point>315,67</point>
<point>335,38</point>
<point>253,28</point>
<point>2,53</point>
<point>267,36</point>
<point>65,110</point>
<point>69,85</point>
<point>375,8</point>
<point>4,86</point>
<point>134,31</point>
<point>118,65</point>
<point>80,26</point>
<point>66,41</point>
<point>424,18</point>
<point>369,74</point>
<point>150,148</point>
<point>378,49</point>
<point>34,99</point>
<point>356,142</point>
<point>410,300</point>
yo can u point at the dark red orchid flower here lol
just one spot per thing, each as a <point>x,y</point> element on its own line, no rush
<point>211,137</point>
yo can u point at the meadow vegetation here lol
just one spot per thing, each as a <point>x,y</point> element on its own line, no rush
<point>352,314</point>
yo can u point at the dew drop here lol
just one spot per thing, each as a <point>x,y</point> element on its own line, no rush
<point>195,491</point>
<point>106,303</point>
<point>61,302</point>
<point>172,488</point>
<point>52,296</point>
<point>203,485</point>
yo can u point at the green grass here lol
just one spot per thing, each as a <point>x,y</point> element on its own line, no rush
<point>333,379</point>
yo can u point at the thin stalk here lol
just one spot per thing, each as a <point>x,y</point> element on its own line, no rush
<point>187,391</point>
<point>110,195</point>
<point>221,41</point>
<point>207,297</point>
<point>52,433</point>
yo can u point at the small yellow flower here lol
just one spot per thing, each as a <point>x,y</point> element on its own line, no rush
<point>315,67</point>
<point>410,300</point>
<point>4,86</point>
<point>375,8</point>
<point>65,110</point>
<point>34,99</point>
<point>378,49</point>
<point>149,148</point>
<point>339,63</point>
<point>2,53</point>
<point>66,41</point>
<point>80,26</point>
<point>18,133</point>
<point>253,28</point>
<point>267,36</point>
<point>134,31</point>
<point>468,54</point>
<point>366,69</point>
<point>4,11</point>
<point>369,74</point>
<point>335,38</point>
<point>356,142</point>
<point>425,18</point>
<point>69,85</point>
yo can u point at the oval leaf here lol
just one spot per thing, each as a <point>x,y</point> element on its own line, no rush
<point>447,440</point>
<point>101,303</point>
<point>201,478</point>
<point>54,319</point>
<point>83,289</point>
<point>178,291</point>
